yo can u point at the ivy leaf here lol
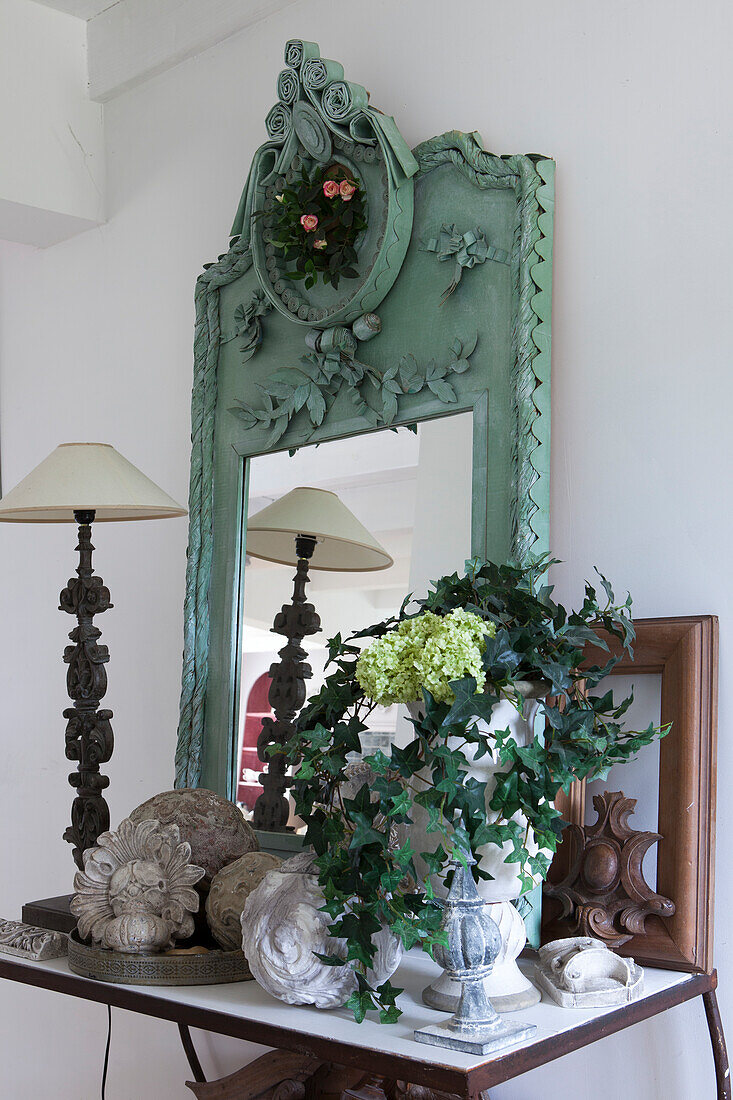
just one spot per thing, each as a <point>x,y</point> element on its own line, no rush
<point>466,703</point>
<point>406,761</point>
<point>360,1002</point>
<point>364,833</point>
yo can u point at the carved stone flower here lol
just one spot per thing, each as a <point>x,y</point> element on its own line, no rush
<point>136,893</point>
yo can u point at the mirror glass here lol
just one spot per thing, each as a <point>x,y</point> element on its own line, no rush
<point>412,491</point>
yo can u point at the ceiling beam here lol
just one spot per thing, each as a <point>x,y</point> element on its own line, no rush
<point>134,39</point>
<point>51,136</point>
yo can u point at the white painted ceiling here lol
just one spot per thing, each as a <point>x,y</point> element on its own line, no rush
<point>84,9</point>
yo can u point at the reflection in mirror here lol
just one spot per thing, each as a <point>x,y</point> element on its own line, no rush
<point>412,491</point>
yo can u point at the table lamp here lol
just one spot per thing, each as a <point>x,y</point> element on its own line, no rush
<point>82,483</point>
<point>307,528</point>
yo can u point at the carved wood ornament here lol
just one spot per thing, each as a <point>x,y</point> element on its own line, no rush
<point>89,738</point>
<point>297,620</point>
<point>604,891</point>
<point>282,1075</point>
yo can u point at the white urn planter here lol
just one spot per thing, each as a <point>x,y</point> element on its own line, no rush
<point>507,987</point>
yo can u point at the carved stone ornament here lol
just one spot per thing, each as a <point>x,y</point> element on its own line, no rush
<point>582,972</point>
<point>321,119</point>
<point>31,943</point>
<point>135,894</point>
<point>474,941</point>
<point>283,927</point>
<point>229,891</point>
<point>214,827</point>
<point>604,893</point>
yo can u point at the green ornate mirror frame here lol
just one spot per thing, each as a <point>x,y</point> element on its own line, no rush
<point>452,279</point>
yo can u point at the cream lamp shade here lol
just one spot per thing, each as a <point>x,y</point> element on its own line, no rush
<point>343,544</point>
<point>86,477</point>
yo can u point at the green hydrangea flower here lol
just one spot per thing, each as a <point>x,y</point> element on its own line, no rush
<point>429,652</point>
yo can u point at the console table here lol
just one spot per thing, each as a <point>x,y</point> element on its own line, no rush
<point>321,1053</point>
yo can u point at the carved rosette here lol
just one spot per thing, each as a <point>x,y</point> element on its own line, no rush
<point>135,894</point>
<point>321,119</point>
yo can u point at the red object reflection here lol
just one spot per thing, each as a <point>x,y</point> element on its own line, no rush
<point>250,765</point>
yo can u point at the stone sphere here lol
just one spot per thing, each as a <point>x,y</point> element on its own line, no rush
<point>214,827</point>
<point>229,891</point>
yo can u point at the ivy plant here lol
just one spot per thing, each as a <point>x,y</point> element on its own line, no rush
<point>365,855</point>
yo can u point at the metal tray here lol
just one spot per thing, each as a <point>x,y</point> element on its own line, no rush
<point>211,968</point>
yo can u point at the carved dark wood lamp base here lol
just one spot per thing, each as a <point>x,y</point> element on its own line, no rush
<point>81,482</point>
<point>306,527</point>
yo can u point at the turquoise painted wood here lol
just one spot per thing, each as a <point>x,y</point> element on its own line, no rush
<point>501,304</point>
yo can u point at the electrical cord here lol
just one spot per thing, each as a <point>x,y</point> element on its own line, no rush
<point>106,1051</point>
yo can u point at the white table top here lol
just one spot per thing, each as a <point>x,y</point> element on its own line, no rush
<point>247,1001</point>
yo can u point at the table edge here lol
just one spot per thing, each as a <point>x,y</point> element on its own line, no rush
<point>446,1078</point>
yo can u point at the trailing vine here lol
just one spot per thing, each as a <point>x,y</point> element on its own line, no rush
<point>376,394</point>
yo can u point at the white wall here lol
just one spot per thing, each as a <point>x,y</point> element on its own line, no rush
<point>95,341</point>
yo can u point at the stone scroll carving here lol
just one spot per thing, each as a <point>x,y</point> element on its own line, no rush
<point>284,929</point>
<point>582,972</point>
<point>28,942</point>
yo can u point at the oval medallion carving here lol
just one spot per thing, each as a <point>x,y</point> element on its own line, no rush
<point>601,866</point>
<point>321,118</point>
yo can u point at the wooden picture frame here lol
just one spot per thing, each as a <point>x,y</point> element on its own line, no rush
<point>685,651</point>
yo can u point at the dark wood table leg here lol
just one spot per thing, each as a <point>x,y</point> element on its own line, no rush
<point>717,1038</point>
<point>191,1055</point>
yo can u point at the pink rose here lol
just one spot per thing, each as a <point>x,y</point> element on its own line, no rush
<point>320,244</point>
<point>330,189</point>
<point>309,222</point>
<point>347,190</point>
